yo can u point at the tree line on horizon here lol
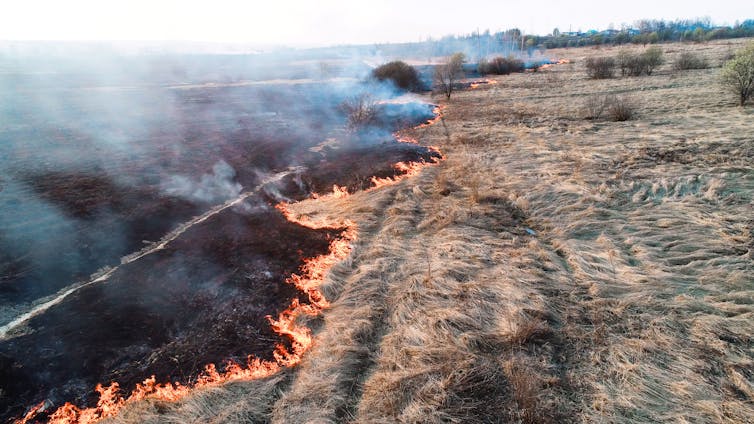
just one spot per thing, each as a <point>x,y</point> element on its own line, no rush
<point>511,41</point>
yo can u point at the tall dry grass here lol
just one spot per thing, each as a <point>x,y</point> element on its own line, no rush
<point>552,269</point>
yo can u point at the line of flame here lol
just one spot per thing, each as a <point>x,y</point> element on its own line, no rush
<point>311,276</point>
<point>438,115</point>
<point>308,280</point>
<point>478,83</point>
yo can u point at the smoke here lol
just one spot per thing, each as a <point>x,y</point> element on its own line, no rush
<point>216,187</point>
<point>102,154</point>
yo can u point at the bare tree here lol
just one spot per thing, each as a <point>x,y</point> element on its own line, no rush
<point>360,111</point>
<point>446,74</point>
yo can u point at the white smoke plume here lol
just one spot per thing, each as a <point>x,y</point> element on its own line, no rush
<point>216,187</point>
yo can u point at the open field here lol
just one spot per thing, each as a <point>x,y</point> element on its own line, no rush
<point>551,269</point>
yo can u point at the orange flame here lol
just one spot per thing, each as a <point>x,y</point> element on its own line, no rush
<point>551,64</point>
<point>36,409</point>
<point>338,192</point>
<point>476,84</point>
<point>438,115</point>
<point>308,280</point>
<point>407,169</point>
<point>311,276</point>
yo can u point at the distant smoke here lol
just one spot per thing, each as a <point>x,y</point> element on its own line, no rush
<point>211,188</point>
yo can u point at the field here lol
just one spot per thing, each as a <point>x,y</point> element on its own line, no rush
<point>552,269</point>
<point>138,233</point>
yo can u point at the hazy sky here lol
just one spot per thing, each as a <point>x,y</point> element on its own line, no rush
<point>330,21</point>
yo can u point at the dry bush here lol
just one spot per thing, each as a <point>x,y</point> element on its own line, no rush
<point>594,107</point>
<point>501,66</point>
<point>652,58</point>
<point>401,74</point>
<point>688,60</point>
<point>613,107</point>
<point>600,67</point>
<point>623,60</point>
<point>637,64</point>
<point>632,65</point>
<point>619,108</point>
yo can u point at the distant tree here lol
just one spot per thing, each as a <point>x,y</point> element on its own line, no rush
<point>530,44</point>
<point>738,74</point>
<point>698,34</point>
<point>622,37</point>
<point>400,73</point>
<point>556,33</point>
<point>446,74</point>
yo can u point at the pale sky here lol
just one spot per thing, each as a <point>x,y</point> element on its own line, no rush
<point>319,22</point>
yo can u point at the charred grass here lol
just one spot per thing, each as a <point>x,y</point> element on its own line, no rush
<point>552,269</point>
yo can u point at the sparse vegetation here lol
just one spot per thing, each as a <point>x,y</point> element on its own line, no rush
<point>600,67</point>
<point>401,74</point>
<point>448,73</point>
<point>738,74</point>
<point>689,60</point>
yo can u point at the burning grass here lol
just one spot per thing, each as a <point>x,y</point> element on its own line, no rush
<point>551,269</point>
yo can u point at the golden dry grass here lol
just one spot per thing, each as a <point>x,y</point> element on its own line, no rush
<point>552,269</point>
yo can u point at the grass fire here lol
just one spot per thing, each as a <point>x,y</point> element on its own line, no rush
<point>481,228</point>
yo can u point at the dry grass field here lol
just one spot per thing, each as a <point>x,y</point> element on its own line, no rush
<point>552,269</point>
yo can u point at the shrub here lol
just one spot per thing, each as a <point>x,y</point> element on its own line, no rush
<point>594,107</point>
<point>652,58</point>
<point>688,60</point>
<point>400,73</point>
<point>619,108</point>
<point>738,74</point>
<point>483,67</point>
<point>501,66</point>
<point>623,61</point>
<point>634,65</point>
<point>600,67</point>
